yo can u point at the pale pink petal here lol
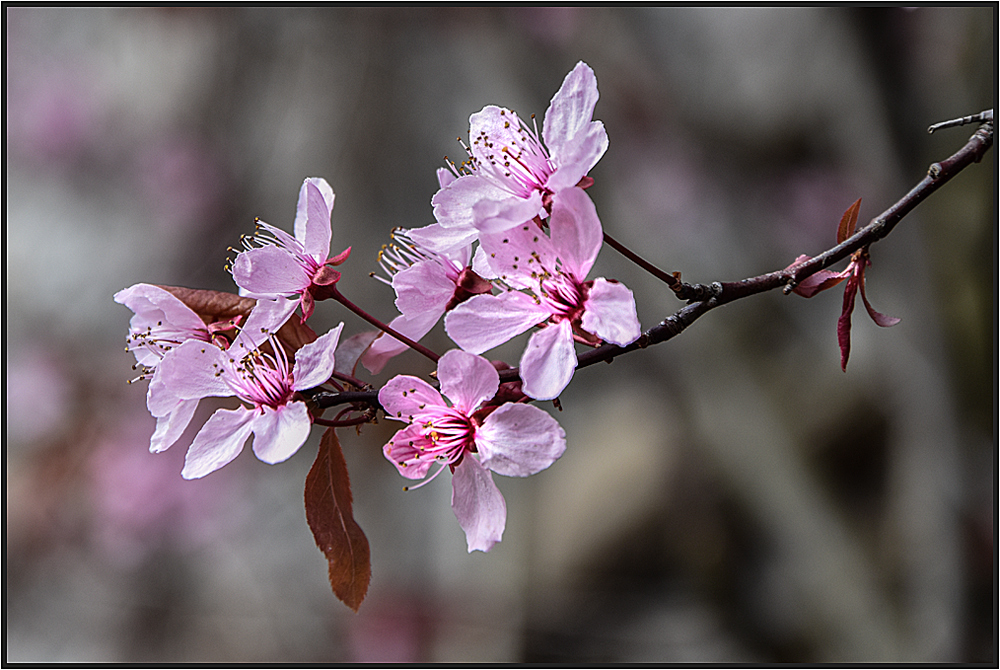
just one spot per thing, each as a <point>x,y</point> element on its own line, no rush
<point>439,239</point>
<point>577,234</point>
<point>386,346</point>
<point>153,304</point>
<point>404,451</point>
<point>520,440</point>
<point>481,264</point>
<point>315,362</point>
<point>495,214</point>
<point>218,442</point>
<point>478,505</point>
<point>265,319</point>
<point>486,321</point>
<point>270,272</point>
<point>453,203</point>
<point>403,396</point>
<point>170,427</point>
<point>575,141</point>
<point>576,159</point>
<point>467,380</point>
<point>423,287</point>
<point>192,371</point>
<point>445,177</point>
<point>572,107</point>
<point>280,431</point>
<point>548,361</point>
<point>520,255</point>
<point>312,217</point>
<point>609,313</point>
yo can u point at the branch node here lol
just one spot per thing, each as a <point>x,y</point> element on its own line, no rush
<point>934,171</point>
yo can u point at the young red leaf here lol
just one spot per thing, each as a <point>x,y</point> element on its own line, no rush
<point>330,517</point>
<point>848,221</point>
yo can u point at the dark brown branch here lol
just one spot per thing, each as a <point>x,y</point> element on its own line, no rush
<point>706,297</point>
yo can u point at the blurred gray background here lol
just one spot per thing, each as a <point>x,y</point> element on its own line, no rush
<point>730,495</point>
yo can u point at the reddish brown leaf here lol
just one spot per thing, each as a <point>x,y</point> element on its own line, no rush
<point>339,537</point>
<point>212,306</point>
<point>848,221</point>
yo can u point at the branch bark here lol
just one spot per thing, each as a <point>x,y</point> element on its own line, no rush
<point>703,298</point>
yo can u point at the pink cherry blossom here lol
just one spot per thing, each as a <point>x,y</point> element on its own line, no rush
<point>552,271</point>
<point>161,323</point>
<point>511,176</point>
<point>277,417</point>
<point>427,284</point>
<point>275,265</point>
<point>469,438</point>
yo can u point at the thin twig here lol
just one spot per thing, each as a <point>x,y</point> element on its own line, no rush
<point>720,293</point>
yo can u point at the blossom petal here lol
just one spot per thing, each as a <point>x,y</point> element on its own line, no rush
<point>218,442</point>
<point>520,440</point>
<point>548,361</point>
<point>280,431</point>
<point>439,239</point>
<point>171,426</point>
<point>453,203</point>
<point>577,234</point>
<point>270,272</point>
<point>478,505</point>
<point>312,217</point>
<point>486,321</point>
<point>152,304</point>
<point>190,371</point>
<point>315,362</point>
<point>575,141</point>
<point>403,396</point>
<point>520,255</point>
<point>386,346</point>
<point>609,313</point>
<point>403,451</point>
<point>423,287</point>
<point>491,215</point>
<point>577,159</point>
<point>265,319</point>
<point>467,380</point>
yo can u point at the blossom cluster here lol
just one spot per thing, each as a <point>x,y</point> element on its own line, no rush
<point>514,239</point>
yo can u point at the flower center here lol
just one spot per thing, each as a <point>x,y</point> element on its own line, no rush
<point>563,295</point>
<point>263,379</point>
<point>449,434</point>
<point>513,158</point>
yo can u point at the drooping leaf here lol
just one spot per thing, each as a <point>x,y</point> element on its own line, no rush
<point>848,221</point>
<point>331,519</point>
